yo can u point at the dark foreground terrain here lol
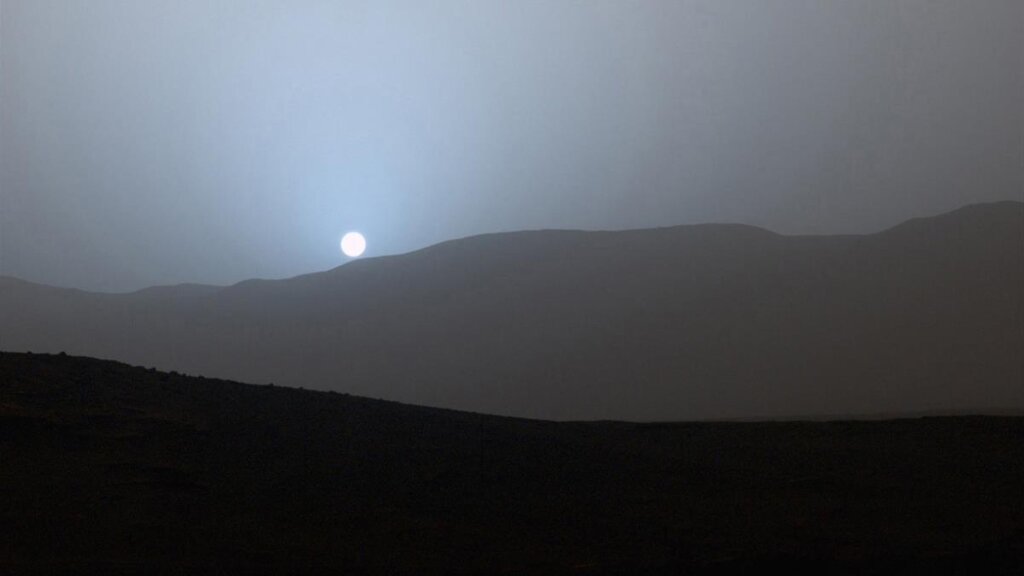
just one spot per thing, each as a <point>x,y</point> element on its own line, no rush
<point>108,469</point>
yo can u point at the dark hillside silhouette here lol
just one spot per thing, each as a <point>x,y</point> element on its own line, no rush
<point>110,469</point>
<point>689,322</point>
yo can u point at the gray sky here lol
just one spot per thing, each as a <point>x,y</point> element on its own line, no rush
<point>149,142</point>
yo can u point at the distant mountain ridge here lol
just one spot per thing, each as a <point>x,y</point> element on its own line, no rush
<point>706,321</point>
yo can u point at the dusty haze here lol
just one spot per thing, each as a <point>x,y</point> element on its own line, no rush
<point>149,142</point>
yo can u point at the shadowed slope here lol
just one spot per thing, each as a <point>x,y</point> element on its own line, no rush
<point>676,323</point>
<point>110,469</point>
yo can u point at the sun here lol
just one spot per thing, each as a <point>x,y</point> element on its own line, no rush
<point>353,244</point>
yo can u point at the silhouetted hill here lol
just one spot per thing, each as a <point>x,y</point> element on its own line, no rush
<point>689,322</point>
<point>110,469</point>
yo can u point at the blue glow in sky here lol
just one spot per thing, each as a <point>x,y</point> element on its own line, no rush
<point>150,142</point>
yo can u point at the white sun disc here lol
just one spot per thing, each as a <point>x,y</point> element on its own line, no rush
<point>353,244</point>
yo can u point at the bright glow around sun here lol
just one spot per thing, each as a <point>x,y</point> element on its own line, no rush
<point>353,244</point>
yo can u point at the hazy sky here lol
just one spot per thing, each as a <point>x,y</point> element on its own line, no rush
<point>148,142</point>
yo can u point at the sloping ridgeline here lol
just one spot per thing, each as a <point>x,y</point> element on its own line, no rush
<point>690,322</point>
<point>110,469</point>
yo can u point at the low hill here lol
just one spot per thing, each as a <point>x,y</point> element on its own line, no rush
<point>111,469</point>
<point>689,322</point>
